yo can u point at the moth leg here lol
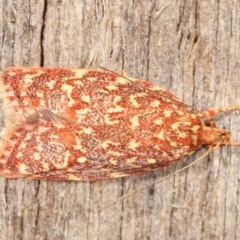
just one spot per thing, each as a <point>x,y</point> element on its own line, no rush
<point>213,112</point>
<point>125,74</point>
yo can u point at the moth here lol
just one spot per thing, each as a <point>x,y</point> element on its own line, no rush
<point>81,124</point>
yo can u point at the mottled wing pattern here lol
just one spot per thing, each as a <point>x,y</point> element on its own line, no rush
<point>80,124</point>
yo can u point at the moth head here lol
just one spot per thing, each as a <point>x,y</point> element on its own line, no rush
<point>215,137</point>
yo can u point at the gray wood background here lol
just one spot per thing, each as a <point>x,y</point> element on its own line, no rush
<point>190,47</point>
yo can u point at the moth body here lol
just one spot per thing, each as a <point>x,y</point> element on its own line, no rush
<point>81,124</point>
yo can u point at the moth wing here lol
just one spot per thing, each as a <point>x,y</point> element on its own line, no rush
<point>69,119</point>
<point>49,151</point>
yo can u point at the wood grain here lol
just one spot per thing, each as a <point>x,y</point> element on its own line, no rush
<point>189,47</point>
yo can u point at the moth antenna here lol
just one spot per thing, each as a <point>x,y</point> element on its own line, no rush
<point>232,144</point>
<point>164,178</point>
<point>213,112</point>
<point>124,75</point>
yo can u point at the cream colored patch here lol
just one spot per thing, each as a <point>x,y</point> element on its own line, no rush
<point>118,174</point>
<point>180,113</point>
<point>82,160</point>
<point>7,153</point>
<point>79,73</point>
<point>158,121</point>
<point>116,99</point>
<point>114,153</point>
<point>155,103</point>
<point>167,113</point>
<point>39,147</point>
<point>151,160</point>
<point>174,144</point>
<point>78,146</point>
<point>187,123</point>
<point>70,170</point>
<point>50,84</point>
<point>68,89</point>
<point>194,139</point>
<point>40,95</point>
<point>193,116</point>
<point>74,177</point>
<point>132,162</point>
<point>133,101</point>
<point>87,130</point>
<point>176,156</point>
<point>111,87</point>
<point>195,128</point>
<point>22,168</point>
<point>19,155</point>
<point>42,129</point>
<point>141,94</point>
<point>157,147</point>
<point>42,102</point>
<point>28,79</point>
<point>81,114</point>
<point>115,109</point>
<point>106,143</point>
<point>78,82</point>
<point>85,98</point>
<point>82,111</point>
<point>36,156</point>
<point>113,161</point>
<point>14,103</point>
<point>134,121</point>
<point>102,169</point>
<point>103,91</point>
<point>108,121</point>
<point>161,135</point>
<point>175,126</point>
<point>133,144</point>
<point>78,140</point>
<point>12,94</point>
<point>157,88</point>
<point>92,79</point>
<point>182,134</point>
<point>121,80</point>
<point>23,144</point>
<point>63,164</point>
<point>164,154</point>
<point>3,161</point>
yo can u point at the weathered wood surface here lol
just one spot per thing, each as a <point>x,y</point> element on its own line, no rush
<point>189,47</point>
